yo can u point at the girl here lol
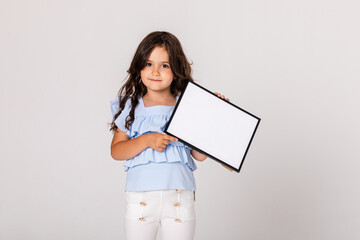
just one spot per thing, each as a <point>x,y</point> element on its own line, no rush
<point>160,186</point>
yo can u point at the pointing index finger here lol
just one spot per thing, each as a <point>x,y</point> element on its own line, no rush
<point>171,138</point>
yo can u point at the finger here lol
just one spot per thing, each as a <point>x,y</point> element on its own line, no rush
<point>160,149</point>
<point>166,142</point>
<point>171,138</point>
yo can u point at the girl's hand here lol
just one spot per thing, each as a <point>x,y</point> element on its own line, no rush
<point>222,96</point>
<point>158,141</point>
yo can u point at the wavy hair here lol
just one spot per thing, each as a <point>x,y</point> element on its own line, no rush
<point>133,87</point>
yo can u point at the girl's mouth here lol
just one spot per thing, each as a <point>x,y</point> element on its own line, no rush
<point>155,80</point>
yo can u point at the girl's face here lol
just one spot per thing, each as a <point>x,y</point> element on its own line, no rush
<point>157,75</point>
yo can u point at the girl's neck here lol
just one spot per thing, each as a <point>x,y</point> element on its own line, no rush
<point>153,99</point>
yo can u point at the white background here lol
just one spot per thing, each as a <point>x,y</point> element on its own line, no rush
<point>294,64</point>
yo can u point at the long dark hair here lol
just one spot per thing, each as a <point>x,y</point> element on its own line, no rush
<point>134,88</point>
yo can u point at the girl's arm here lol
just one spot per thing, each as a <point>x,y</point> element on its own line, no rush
<point>123,149</point>
<point>198,156</point>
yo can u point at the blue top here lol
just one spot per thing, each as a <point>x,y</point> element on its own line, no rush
<point>151,169</point>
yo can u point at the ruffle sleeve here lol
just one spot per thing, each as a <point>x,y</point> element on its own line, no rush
<point>121,119</point>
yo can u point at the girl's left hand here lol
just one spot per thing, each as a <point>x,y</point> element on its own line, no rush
<point>222,96</point>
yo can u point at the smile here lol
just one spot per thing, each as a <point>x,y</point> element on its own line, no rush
<point>155,80</point>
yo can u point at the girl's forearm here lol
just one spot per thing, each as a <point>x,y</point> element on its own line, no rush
<point>125,150</point>
<point>198,156</point>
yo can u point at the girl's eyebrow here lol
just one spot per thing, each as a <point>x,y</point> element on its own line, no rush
<point>160,61</point>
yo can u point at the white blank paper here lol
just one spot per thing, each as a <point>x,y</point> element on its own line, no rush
<point>212,125</point>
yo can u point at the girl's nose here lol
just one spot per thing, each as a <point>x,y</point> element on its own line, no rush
<point>155,71</point>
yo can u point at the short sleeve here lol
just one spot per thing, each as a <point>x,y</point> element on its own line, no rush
<point>121,119</point>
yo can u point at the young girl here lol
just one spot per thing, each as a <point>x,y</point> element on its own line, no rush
<point>160,186</point>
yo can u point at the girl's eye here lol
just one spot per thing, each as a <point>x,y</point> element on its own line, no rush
<point>148,64</point>
<point>165,66</point>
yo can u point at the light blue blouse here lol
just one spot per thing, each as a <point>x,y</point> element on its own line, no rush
<point>153,170</point>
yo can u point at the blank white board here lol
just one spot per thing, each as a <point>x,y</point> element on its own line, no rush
<point>212,126</point>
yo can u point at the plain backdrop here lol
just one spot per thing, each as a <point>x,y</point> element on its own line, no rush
<point>294,64</point>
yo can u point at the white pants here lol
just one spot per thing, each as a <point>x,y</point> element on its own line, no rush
<point>171,210</point>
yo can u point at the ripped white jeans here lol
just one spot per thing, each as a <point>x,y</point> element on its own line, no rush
<point>171,212</point>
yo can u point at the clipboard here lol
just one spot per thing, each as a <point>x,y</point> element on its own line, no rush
<point>212,126</point>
